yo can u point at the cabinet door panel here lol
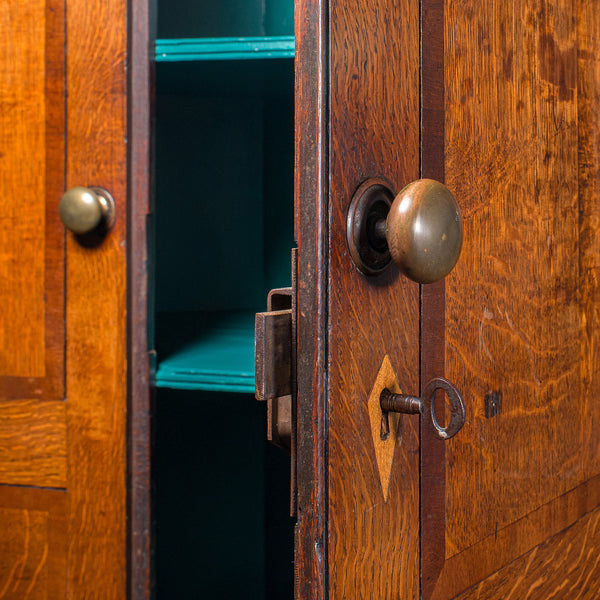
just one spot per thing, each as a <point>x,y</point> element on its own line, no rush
<point>358,502</point>
<point>63,123</point>
<point>520,305</point>
<point>32,94</point>
<point>32,543</point>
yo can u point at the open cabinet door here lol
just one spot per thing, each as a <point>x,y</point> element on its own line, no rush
<point>499,101</point>
<point>63,117</point>
<point>357,117</point>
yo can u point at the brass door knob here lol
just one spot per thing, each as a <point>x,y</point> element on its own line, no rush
<point>83,210</point>
<point>421,230</point>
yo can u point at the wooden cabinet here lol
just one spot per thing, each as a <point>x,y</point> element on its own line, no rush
<point>204,123</point>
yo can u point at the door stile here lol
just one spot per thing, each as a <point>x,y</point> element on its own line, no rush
<point>96,305</point>
<point>139,534</point>
<point>433,298</point>
<point>311,185</point>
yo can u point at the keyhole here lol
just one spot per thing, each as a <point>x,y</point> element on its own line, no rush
<point>440,408</point>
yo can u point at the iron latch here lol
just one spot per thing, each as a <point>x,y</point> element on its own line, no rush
<point>274,364</point>
<point>275,370</point>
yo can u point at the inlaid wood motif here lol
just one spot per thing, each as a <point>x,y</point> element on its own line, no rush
<point>384,448</point>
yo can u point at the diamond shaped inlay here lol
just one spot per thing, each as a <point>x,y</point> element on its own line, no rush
<point>384,450</point>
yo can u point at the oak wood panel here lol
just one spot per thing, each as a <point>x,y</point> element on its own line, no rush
<point>492,553</point>
<point>588,103</point>
<point>570,562</point>
<point>311,232</point>
<point>25,544</point>
<point>31,175</point>
<point>32,543</point>
<point>33,443</point>
<point>96,304</point>
<point>22,284</point>
<point>512,302</point>
<point>374,131</point>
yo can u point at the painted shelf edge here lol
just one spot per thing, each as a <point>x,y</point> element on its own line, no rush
<point>210,351</point>
<point>206,383</point>
<point>199,49</point>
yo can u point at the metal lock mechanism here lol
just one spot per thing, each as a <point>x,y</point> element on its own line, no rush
<point>273,364</point>
<point>275,370</point>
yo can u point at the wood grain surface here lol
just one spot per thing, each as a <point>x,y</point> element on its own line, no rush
<point>33,443</point>
<point>96,304</point>
<point>23,535</point>
<point>511,158</point>
<point>311,233</point>
<point>374,131</point>
<point>521,156</point>
<point>494,552</point>
<point>433,297</point>
<point>569,562</point>
<point>32,175</point>
<point>588,101</point>
<point>32,543</point>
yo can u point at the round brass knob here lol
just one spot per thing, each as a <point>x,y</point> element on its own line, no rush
<point>421,230</point>
<point>424,231</point>
<point>83,210</point>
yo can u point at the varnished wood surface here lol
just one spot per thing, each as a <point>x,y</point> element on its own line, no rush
<point>521,139</point>
<point>588,103</point>
<point>33,443</point>
<point>311,233</point>
<point>374,131</point>
<point>511,158</point>
<point>433,297</point>
<point>32,173</point>
<point>96,304</point>
<point>569,562</point>
<point>32,543</point>
<point>517,539</point>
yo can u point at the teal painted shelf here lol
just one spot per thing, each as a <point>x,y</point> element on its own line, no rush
<point>199,49</point>
<point>211,351</point>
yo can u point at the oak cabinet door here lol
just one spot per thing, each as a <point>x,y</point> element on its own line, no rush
<point>521,332</point>
<point>63,112</point>
<point>499,101</point>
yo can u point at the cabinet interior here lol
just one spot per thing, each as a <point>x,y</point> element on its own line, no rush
<point>222,235</point>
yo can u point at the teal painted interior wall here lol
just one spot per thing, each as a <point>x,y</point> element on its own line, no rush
<point>221,503</point>
<point>223,231</point>
<point>225,18</point>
